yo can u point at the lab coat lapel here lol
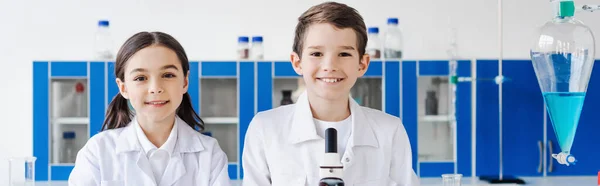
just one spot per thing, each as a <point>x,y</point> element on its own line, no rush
<point>187,142</point>
<point>174,171</point>
<point>134,157</point>
<point>362,135</point>
<point>143,165</point>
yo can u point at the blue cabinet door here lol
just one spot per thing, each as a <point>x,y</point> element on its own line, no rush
<point>585,145</point>
<point>41,113</point>
<point>523,120</point>
<point>246,108</point>
<point>487,147</point>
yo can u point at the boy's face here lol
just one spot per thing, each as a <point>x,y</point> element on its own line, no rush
<point>330,63</point>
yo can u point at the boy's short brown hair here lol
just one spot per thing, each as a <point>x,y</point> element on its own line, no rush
<point>338,14</point>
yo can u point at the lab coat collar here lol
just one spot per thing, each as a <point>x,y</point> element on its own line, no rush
<point>303,127</point>
<point>147,146</point>
<point>187,140</point>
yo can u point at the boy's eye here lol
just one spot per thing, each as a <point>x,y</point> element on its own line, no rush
<point>169,75</point>
<point>344,54</point>
<point>139,78</point>
<point>316,54</point>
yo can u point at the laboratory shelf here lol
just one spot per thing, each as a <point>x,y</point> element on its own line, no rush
<point>436,118</point>
<point>220,120</point>
<point>72,121</point>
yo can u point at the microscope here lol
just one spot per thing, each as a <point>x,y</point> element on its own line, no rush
<point>331,170</point>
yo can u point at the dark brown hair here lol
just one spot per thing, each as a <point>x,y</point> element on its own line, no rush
<point>118,114</point>
<point>339,15</point>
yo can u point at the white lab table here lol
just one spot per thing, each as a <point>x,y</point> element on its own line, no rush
<point>467,181</point>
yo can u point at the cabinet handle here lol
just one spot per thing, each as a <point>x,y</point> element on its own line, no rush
<point>540,147</point>
<point>550,167</point>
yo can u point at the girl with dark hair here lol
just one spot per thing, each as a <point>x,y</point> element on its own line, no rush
<point>159,144</point>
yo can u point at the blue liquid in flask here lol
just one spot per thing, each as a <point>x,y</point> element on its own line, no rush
<point>564,109</point>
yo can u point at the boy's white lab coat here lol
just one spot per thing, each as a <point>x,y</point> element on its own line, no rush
<point>282,148</point>
<point>116,158</point>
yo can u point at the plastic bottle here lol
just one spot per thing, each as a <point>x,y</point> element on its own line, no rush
<point>431,103</point>
<point>393,43</point>
<point>68,150</point>
<point>81,111</point>
<point>287,97</point>
<point>243,47</point>
<point>103,42</point>
<point>257,51</point>
<point>374,43</point>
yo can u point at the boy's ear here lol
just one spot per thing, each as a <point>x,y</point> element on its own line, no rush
<point>122,88</point>
<point>363,65</point>
<point>295,58</point>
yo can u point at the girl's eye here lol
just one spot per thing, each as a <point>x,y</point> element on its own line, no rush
<point>139,78</point>
<point>344,54</point>
<point>316,54</point>
<point>169,75</point>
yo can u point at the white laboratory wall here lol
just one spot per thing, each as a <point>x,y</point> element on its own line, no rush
<point>63,30</point>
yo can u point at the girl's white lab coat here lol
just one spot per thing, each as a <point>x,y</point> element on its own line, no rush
<point>282,148</point>
<point>115,158</point>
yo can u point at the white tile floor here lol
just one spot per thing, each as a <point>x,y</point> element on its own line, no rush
<point>535,181</point>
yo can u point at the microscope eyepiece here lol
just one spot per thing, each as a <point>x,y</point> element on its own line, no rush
<point>330,140</point>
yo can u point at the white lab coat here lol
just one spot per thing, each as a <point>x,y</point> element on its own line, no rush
<point>116,158</point>
<point>282,148</point>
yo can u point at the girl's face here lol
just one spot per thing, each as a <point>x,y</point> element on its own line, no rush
<point>154,83</point>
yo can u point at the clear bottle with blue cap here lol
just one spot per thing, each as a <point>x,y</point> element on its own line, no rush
<point>103,42</point>
<point>243,49</point>
<point>393,42</point>
<point>257,51</point>
<point>69,150</point>
<point>374,43</point>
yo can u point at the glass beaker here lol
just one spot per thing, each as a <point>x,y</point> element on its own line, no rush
<point>451,179</point>
<point>21,171</point>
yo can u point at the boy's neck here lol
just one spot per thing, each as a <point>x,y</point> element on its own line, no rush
<point>329,110</point>
<point>157,132</point>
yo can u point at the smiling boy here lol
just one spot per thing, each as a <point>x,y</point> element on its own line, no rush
<point>285,145</point>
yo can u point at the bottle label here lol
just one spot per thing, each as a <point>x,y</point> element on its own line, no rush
<point>105,55</point>
<point>243,53</point>
<point>374,53</point>
<point>395,54</point>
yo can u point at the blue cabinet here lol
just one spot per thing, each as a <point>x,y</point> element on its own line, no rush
<point>527,138</point>
<point>72,96</point>
<point>68,97</point>
<point>440,140</point>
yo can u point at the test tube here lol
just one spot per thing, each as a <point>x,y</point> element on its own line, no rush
<point>21,171</point>
<point>451,179</point>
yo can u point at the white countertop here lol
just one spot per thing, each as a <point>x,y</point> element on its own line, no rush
<point>467,181</point>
